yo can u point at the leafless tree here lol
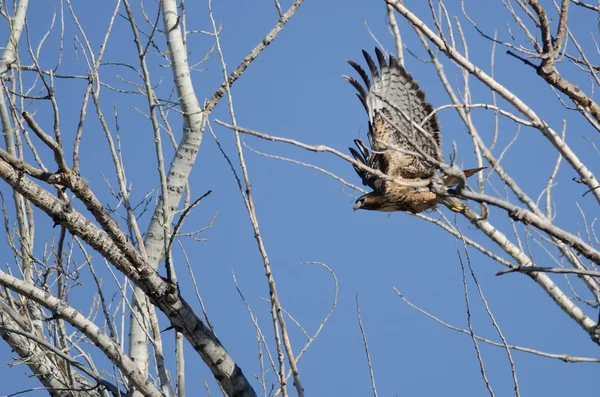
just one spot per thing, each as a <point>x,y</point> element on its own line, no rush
<point>539,42</point>
<point>507,221</point>
<point>36,320</point>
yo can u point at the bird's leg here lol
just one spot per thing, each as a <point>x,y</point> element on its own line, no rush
<point>455,173</point>
<point>454,204</point>
<point>438,186</point>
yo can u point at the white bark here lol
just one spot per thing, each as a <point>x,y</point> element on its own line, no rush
<point>162,293</point>
<point>194,121</point>
<point>12,44</point>
<point>62,310</point>
<point>41,362</point>
<point>9,56</point>
<point>542,279</point>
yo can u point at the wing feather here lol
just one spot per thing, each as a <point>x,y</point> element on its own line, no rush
<point>369,159</point>
<point>381,59</point>
<point>361,94</point>
<point>372,67</point>
<point>394,102</point>
<point>363,149</point>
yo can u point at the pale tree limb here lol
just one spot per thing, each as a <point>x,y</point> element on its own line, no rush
<point>366,345</point>
<point>138,343</point>
<point>562,300</point>
<point>47,371</point>
<point>396,32</point>
<point>307,165</point>
<point>180,365</point>
<point>137,349</point>
<point>529,218</point>
<point>579,272</point>
<point>23,222</point>
<point>268,39</point>
<point>549,56</point>
<point>470,325</point>
<point>159,357</point>
<point>260,336</point>
<point>17,22</point>
<point>586,5</point>
<point>10,56</point>
<point>489,312</point>
<point>114,389</point>
<point>200,301</point>
<point>276,310</point>
<point>162,293</point>
<point>313,337</point>
<point>42,364</point>
<point>278,6</point>
<point>327,149</point>
<point>96,335</point>
<point>562,357</point>
<point>453,231</point>
<point>194,117</point>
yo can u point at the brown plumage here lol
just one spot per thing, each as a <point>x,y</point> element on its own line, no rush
<point>394,102</point>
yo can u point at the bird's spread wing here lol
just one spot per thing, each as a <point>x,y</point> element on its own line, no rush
<point>394,104</point>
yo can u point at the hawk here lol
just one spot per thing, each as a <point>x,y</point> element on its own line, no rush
<point>396,106</point>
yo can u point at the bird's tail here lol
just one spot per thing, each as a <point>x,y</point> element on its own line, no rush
<point>453,181</point>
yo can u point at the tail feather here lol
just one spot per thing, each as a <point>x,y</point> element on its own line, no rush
<point>472,171</point>
<point>452,180</point>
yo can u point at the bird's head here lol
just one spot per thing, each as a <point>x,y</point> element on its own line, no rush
<point>367,202</point>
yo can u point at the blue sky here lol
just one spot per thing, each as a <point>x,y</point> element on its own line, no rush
<point>294,89</point>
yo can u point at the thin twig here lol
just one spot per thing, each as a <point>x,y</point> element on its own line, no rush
<point>366,345</point>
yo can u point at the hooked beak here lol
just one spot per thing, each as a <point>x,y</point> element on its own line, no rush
<point>356,206</point>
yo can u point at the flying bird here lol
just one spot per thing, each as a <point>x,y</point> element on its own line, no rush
<point>403,134</point>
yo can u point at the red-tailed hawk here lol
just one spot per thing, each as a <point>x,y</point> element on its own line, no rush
<point>395,104</point>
